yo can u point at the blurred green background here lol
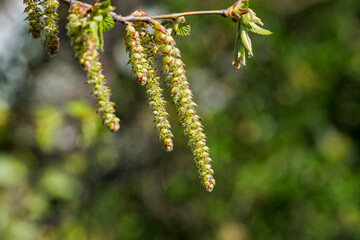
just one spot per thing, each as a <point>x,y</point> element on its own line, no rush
<point>284,132</point>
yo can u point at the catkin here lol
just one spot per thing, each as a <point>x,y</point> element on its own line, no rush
<point>85,42</point>
<point>52,42</point>
<point>182,98</point>
<point>34,16</point>
<point>139,44</point>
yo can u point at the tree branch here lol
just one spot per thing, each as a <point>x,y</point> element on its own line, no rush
<point>130,18</point>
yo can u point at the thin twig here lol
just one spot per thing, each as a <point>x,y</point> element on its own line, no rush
<point>193,13</point>
<point>131,18</point>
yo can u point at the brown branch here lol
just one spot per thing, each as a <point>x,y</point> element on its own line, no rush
<point>130,18</point>
<point>223,13</point>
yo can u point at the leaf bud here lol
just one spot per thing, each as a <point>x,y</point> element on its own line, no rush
<point>246,40</point>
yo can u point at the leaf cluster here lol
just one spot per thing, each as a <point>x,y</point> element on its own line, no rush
<point>105,22</point>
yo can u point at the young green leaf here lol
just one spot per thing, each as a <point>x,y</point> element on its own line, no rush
<point>253,27</point>
<point>178,26</point>
<point>107,23</point>
<point>105,5</point>
<point>239,53</point>
<point>184,29</point>
<point>246,39</point>
<point>99,30</point>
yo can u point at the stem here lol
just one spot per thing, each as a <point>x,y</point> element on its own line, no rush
<point>130,18</point>
<point>193,13</point>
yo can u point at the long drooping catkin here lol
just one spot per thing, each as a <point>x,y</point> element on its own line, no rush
<point>81,29</point>
<point>139,44</point>
<point>182,98</point>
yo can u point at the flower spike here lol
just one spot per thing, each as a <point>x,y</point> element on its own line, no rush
<point>140,45</point>
<point>83,31</point>
<point>52,42</point>
<point>182,98</point>
<point>34,16</point>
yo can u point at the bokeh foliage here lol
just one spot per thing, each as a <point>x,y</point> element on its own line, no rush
<point>284,133</point>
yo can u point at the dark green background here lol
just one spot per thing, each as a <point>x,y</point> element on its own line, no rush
<point>284,132</point>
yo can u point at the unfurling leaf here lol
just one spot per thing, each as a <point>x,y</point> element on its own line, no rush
<point>247,21</point>
<point>107,23</point>
<point>178,26</point>
<point>239,53</point>
<point>102,8</point>
<point>99,30</point>
<point>253,27</point>
<point>246,41</point>
<point>105,5</point>
<point>250,16</point>
<point>184,29</point>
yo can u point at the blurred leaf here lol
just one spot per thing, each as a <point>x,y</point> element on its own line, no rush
<point>178,188</point>
<point>22,230</point>
<point>334,145</point>
<point>4,113</point>
<point>13,172</point>
<point>59,184</point>
<point>75,163</point>
<point>90,123</point>
<point>47,121</point>
<point>78,109</point>
<point>36,205</point>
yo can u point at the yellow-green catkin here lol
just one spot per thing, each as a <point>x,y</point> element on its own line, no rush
<point>136,53</point>
<point>140,45</point>
<point>82,31</point>
<point>52,42</point>
<point>34,16</point>
<point>182,98</point>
